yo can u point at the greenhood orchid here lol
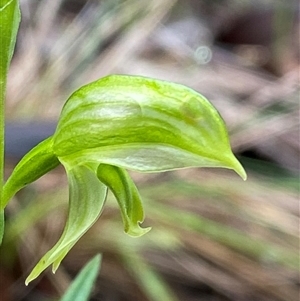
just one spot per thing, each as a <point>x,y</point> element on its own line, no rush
<point>115,124</point>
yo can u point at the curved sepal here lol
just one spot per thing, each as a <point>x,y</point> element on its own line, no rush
<point>142,124</point>
<point>36,163</point>
<point>87,196</point>
<point>127,195</point>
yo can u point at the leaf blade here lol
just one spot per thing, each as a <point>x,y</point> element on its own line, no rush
<point>81,287</point>
<point>10,18</point>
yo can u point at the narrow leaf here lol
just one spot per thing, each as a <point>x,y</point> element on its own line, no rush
<point>87,197</point>
<point>10,18</point>
<point>80,288</point>
<point>142,124</point>
<point>152,283</point>
<point>127,195</point>
<point>32,166</point>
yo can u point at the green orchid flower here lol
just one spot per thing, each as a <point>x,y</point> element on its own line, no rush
<point>117,123</point>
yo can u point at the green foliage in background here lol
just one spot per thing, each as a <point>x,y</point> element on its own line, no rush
<point>80,288</point>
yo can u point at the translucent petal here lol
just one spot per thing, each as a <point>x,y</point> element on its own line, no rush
<point>142,124</point>
<point>127,195</point>
<point>87,197</point>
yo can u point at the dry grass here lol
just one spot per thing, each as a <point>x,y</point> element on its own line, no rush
<point>214,237</point>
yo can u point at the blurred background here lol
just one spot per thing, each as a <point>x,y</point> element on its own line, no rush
<point>214,237</point>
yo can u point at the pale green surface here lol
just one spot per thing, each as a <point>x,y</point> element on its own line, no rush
<point>142,124</point>
<point>80,289</point>
<point>37,162</point>
<point>122,122</point>
<point>127,195</point>
<point>86,200</point>
<point>9,23</point>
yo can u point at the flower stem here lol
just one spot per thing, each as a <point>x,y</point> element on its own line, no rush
<point>9,24</point>
<point>2,124</point>
<point>2,127</point>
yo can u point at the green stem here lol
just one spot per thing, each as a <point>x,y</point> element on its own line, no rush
<point>2,144</point>
<point>2,95</point>
<point>2,124</point>
<point>9,24</point>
